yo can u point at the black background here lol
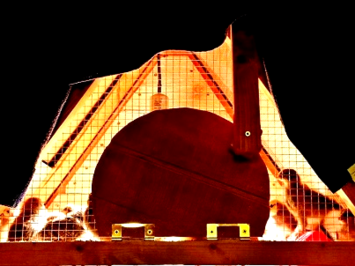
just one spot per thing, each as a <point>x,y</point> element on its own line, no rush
<point>309,54</point>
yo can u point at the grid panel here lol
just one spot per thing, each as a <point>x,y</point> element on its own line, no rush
<point>56,206</point>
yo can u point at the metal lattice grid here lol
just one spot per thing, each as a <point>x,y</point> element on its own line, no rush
<point>56,205</point>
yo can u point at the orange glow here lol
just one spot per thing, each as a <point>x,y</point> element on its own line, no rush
<point>200,80</point>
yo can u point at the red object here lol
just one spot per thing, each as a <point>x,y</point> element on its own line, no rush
<point>314,236</point>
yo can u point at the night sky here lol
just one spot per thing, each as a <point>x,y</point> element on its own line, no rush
<point>308,54</point>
